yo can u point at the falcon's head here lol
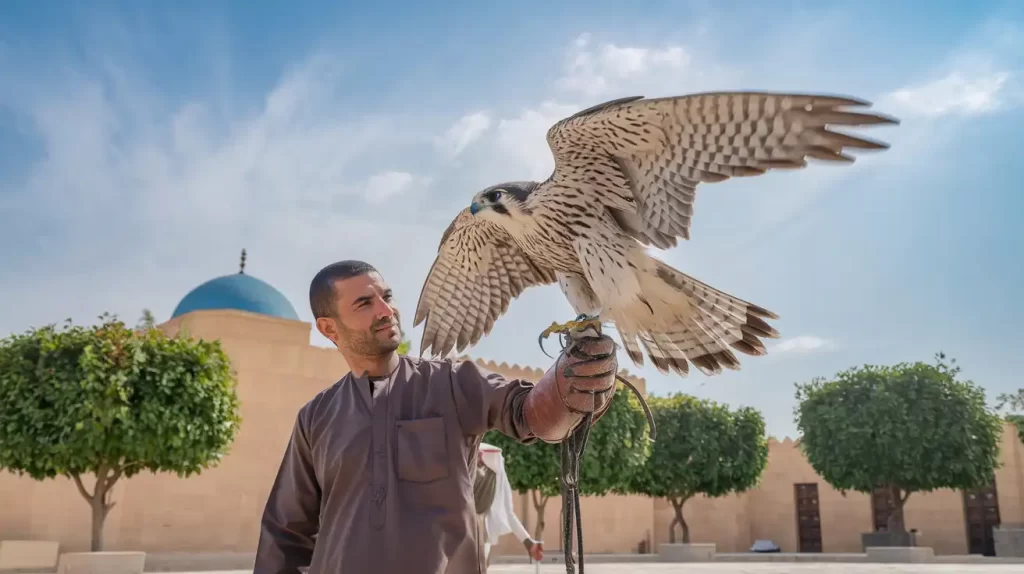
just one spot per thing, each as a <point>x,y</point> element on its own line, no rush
<point>500,202</point>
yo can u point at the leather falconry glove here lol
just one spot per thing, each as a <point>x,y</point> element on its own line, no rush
<point>581,381</point>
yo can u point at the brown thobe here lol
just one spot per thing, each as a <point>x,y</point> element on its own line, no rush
<point>384,483</point>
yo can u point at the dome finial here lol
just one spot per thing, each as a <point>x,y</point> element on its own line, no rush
<point>241,265</point>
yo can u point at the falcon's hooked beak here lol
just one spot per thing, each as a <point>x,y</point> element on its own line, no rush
<point>474,208</point>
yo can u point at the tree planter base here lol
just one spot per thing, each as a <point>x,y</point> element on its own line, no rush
<point>101,563</point>
<point>704,552</point>
<point>900,554</point>
<point>28,555</point>
<point>880,539</point>
<point>1009,541</point>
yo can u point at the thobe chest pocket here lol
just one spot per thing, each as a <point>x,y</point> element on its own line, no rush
<point>422,450</point>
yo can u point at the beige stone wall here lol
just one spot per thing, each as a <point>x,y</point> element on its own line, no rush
<point>769,511</point>
<point>278,371</point>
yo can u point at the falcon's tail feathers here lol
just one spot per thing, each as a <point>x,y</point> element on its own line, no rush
<point>680,320</point>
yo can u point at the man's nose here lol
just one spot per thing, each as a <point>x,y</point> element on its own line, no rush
<point>384,310</point>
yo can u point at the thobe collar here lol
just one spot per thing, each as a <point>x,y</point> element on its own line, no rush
<point>362,381</point>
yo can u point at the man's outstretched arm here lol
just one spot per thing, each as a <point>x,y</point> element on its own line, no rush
<point>581,381</point>
<point>292,516</point>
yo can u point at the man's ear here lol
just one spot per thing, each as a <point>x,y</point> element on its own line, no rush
<point>328,328</point>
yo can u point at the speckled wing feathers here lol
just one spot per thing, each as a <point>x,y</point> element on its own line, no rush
<point>642,160</point>
<point>665,147</point>
<point>477,272</point>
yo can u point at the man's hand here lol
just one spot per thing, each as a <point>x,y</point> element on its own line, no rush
<point>534,549</point>
<point>581,381</point>
<point>589,366</point>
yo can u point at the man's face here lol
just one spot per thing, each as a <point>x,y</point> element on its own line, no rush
<point>365,321</point>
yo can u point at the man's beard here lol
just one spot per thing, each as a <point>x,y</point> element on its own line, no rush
<point>368,343</point>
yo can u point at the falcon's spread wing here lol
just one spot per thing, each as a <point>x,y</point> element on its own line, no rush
<point>650,154</point>
<point>477,272</point>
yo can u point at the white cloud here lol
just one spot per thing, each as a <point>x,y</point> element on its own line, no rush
<point>153,198</point>
<point>463,133</point>
<point>384,186</point>
<point>982,75</point>
<point>961,92</point>
<point>597,72</point>
<point>801,345</point>
<point>522,140</point>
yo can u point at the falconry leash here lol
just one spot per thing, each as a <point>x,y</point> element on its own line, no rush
<point>573,447</point>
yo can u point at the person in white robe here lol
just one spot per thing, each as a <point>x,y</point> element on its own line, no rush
<point>500,517</point>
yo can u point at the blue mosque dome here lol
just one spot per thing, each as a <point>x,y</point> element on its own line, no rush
<point>240,292</point>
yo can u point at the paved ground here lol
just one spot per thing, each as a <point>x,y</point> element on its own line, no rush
<point>761,568</point>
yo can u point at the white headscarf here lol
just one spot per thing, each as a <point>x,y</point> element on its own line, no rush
<point>500,518</point>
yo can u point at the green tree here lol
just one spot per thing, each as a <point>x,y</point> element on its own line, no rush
<point>147,320</point>
<point>403,349</point>
<point>702,448</point>
<point>1014,403</point>
<point>110,401</point>
<point>616,449</point>
<point>908,428</point>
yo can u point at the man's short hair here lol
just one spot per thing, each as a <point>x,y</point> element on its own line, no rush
<point>321,289</point>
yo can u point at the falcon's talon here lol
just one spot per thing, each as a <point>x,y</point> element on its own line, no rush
<point>568,327</point>
<point>581,323</point>
<point>540,341</point>
<point>554,328</point>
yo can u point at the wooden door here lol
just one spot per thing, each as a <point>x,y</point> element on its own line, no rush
<point>981,515</point>
<point>808,518</point>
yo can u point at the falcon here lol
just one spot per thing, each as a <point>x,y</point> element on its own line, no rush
<point>625,179</point>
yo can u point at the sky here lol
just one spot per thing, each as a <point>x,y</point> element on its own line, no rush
<point>143,145</point>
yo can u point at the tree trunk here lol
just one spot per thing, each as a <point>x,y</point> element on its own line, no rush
<point>539,502</point>
<point>897,499</point>
<point>677,504</point>
<point>99,517</point>
<point>99,500</point>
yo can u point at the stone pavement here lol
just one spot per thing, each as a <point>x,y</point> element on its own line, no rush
<point>749,568</point>
<point>768,568</point>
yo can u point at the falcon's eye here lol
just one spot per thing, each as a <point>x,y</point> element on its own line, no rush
<point>494,195</point>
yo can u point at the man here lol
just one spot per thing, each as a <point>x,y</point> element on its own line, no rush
<point>494,505</point>
<point>378,472</point>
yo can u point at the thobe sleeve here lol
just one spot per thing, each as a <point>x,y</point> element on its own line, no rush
<point>501,517</point>
<point>486,400</point>
<point>517,527</point>
<point>291,518</point>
